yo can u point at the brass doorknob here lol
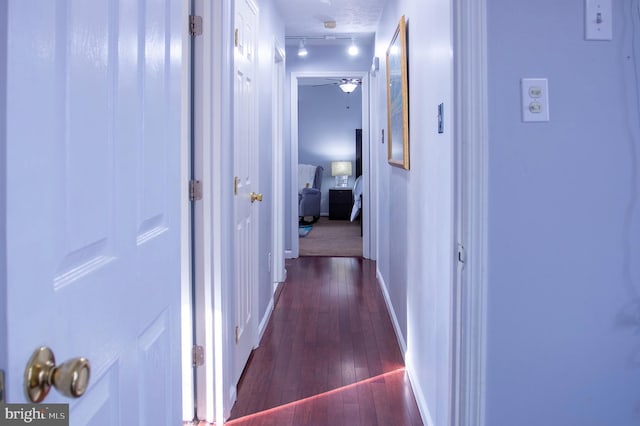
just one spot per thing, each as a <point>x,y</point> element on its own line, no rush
<point>71,378</point>
<point>256,197</point>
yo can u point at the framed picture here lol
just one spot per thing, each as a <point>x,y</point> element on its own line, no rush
<point>398,99</point>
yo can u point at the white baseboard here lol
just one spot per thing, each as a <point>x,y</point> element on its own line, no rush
<point>418,393</point>
<point>265,321</point>
<point>233,395</point>
<point>288,254</point>
<point>415,384</point>
<point>392,313</point>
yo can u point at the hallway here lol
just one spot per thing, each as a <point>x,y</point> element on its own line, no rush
<point>329,355</point>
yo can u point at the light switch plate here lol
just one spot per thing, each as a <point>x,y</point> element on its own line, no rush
<point>535,99</point>
<point>598,23</point>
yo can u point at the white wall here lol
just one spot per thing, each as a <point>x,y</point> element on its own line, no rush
<point>271,30</point>
<point>415,225</point>
<point>327,119</point>
<point>564,230</point>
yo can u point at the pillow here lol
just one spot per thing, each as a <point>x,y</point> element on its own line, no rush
<point>357,201</point>
<point>306,174</point>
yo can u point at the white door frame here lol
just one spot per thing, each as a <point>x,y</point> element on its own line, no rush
<point>471,162</point>
<point>278,272</point>
<point>368,206</point>
<point>373,183</point>
<point>214,265</point>
<point>215,392</point>
<point>4,36</point>
<point>186,313</point>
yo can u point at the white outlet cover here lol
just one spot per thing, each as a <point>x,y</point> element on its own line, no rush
<point>535,99</point>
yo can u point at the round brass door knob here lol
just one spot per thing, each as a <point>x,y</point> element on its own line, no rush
<point>256,197</point>
<point>70,378</point>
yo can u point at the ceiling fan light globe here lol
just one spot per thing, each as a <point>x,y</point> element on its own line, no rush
<point>348,87</point>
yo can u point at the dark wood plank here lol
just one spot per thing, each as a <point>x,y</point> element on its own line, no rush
<point>329,355</point>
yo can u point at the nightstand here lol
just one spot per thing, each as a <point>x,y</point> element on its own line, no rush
<point>340,203</point>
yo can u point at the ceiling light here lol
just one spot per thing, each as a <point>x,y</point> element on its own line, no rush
<point>348,86</point>
<point>302,51</point>
<point>353,49</point>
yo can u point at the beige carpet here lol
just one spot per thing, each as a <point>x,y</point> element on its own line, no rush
<point>332,238</point>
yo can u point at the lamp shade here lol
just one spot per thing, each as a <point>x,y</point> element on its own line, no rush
<point>341,168</point>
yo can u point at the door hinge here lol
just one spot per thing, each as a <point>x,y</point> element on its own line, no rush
<point>237,334</point>
<point>197,353</point>
<point>2,401</point>
<point>195,25</point>
<point>235,185</point>
<point>462,254</point>
<point>235,38</point>
<point>195,190</point>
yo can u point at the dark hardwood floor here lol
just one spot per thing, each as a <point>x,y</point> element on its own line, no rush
<point>329,355</point>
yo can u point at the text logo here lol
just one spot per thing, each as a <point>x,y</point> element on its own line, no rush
<point>34,414</point>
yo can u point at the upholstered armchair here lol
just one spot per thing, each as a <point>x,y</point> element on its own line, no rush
<point>309,195</point>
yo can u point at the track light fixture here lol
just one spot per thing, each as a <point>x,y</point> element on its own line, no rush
<point>353,48</point>
<point>302,51</point>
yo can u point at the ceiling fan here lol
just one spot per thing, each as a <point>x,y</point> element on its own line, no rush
<point>347,85</point>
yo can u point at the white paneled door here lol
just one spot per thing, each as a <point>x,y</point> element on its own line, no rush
<point>246,187</point>
<point>93,201</point>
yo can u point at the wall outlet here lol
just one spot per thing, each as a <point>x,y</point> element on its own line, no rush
<point>535,99</point>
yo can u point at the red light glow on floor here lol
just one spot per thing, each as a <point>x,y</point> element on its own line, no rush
<point>390,375</point>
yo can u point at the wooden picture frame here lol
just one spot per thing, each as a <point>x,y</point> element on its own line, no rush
<point>398,99</point>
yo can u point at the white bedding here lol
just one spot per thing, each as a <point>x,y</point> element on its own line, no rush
<point>306,174</point>
<point>357,200</point>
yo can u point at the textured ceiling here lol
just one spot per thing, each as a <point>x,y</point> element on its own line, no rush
<point>305,18</point>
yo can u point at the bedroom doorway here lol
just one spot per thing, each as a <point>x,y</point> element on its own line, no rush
<point>311,92</point>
